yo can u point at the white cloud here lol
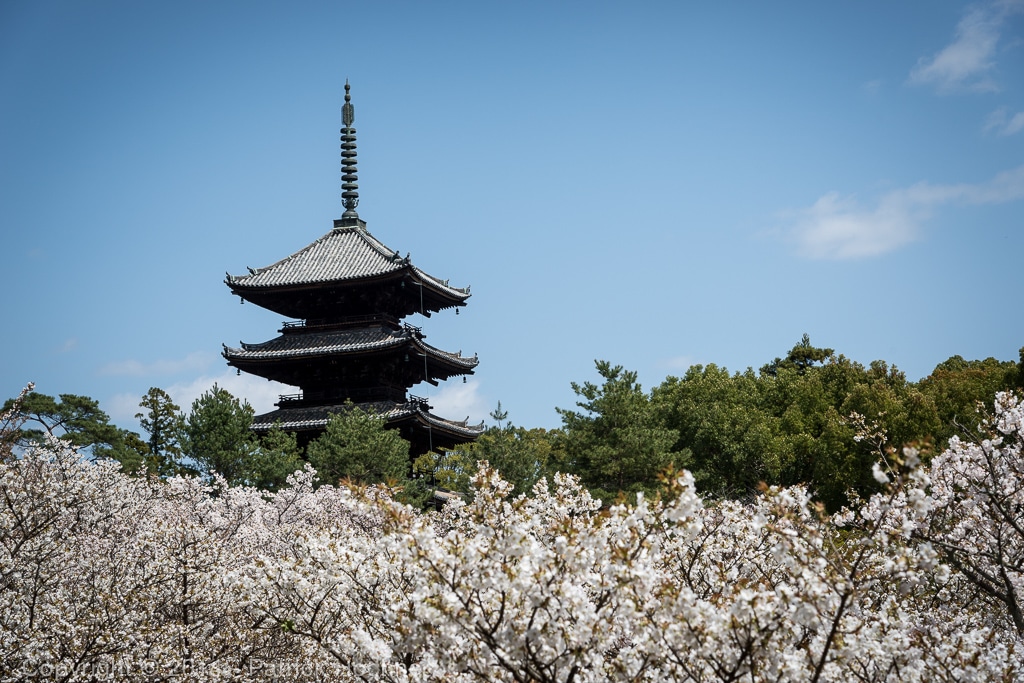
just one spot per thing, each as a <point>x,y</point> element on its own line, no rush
<point>69,345</point>
<point>261,394</point>
<point>1008,186</point>
<point>1001,123</point>
<point>967,62</point>
<point>839,228</point>
<point>197,361</point>
<point>122,408</point>
<point>455,400</point>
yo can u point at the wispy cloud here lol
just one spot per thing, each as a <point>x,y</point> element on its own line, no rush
<point>197,361</point>
<point>837,227</point>
<point>455,401</point>
<point>261,394</point>
<point>70,344</point>
<point>677,363</point>
<point>1001,122</point>
<point>966,64</point>
<point>122,408</point>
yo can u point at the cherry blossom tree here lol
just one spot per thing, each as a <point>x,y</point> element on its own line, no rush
<point>104,576</point>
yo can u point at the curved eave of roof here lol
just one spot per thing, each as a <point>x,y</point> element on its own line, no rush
<point>318,344</point>
<point>303,419</point>
<point>458,426</point>
<point>344,255</point>
<point>456,358</point>
<point>440,286</point>
<point>340,343</point>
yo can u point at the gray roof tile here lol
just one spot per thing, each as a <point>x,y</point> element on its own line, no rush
<point>341,342</point>
<point>316,417</point>
<point>345,253</point>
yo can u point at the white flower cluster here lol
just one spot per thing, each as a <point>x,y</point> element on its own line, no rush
<point>109,577</point>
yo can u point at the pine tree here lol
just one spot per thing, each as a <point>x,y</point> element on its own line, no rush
<point>617,443</point>
<point>163,421</point>
<point>217,435</point>
<point>357,446</point>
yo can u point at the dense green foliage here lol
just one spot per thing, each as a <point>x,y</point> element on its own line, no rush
<point>164,423</point>
<point>956,385</point>
<point>523,456</point>
<point>277,455</point>
<point>79,421</point>
<point>214,437</point>
<point>356,446</point>
<point>617,443</point>
<point>217,437</point>
<point>792,422</point>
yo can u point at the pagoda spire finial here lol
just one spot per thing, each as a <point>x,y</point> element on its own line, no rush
<point>349,187</point>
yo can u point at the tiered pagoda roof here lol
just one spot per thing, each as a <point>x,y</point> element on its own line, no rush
<point>411,417</point>
<point>280,358</point>
<point>335,267</point>
<point>349,293</point>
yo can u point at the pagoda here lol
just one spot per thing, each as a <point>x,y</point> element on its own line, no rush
<point>346,342</point>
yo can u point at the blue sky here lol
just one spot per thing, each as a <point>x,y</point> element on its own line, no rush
<point>656,184</point>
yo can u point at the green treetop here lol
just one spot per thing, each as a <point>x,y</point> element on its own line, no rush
<point>357,446</point>
<point>164,423</point>
<point>216,435</point>
<point>616,443</point>
<point>77,420</point>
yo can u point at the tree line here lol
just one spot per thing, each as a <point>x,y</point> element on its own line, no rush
<point>214,438</point>
<point>794,421</point>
